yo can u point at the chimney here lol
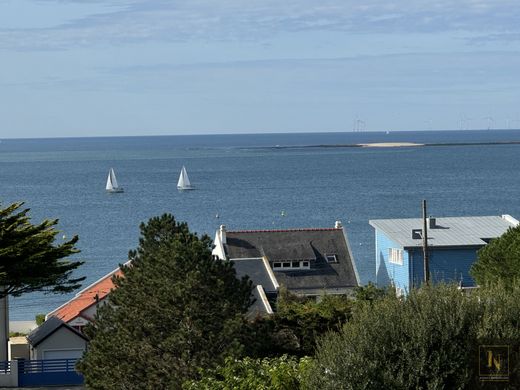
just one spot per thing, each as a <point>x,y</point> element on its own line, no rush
<point>338,225</point>
<point>223,234</point>
<point>431,222</point>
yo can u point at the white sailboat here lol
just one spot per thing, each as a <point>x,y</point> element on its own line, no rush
<point>184,180</point>
<point>112,185</point>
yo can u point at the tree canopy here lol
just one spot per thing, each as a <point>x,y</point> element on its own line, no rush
<point>499,260</point>
<point>428,340</point>
<point>174,310</point>
<point>29,258</point>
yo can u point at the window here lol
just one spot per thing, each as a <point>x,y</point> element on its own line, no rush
<point>395,256</point>
<point>291,265</point>
<point>331,258</point>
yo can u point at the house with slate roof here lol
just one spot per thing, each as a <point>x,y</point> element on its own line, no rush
<point>80,310</point>
<point>309,261</point>
<point>453,243</point>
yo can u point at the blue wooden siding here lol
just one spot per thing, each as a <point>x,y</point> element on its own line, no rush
<point>446,265</point>
<point>389,273</point>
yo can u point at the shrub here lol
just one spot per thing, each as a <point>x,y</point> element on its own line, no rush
<point>282,373</point>
<point>424,341</point>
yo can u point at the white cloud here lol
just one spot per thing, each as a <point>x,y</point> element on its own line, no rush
<point>159,20</point>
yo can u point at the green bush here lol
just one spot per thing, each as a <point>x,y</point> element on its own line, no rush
<point>296,325</point>
<point>282,373</point>
<point>428,340</point>
<point>39,319</point>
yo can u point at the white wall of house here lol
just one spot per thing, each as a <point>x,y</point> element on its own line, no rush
<point>220,240</point>
<point>62,344</point>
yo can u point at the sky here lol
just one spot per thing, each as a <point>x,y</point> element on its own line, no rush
<point>156,67</point>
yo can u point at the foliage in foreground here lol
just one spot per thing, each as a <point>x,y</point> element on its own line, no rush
<point>174,311</point>
<point>282,373</point>
<point>299,322</point>
<point>429,340</point>
<point>29,259</point>
<point>499,260</point>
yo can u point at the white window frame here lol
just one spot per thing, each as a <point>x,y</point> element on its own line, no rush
<point>395,256</point>
<point>290,265</point>
<point>334,258</point>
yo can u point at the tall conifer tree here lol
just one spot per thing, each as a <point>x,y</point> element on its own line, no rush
<point>174,310</point>
<point>29,259</point>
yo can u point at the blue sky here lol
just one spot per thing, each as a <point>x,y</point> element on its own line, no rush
<point>144,67</point>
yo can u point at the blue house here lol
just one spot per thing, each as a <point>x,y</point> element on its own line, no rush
<point>452,248</point>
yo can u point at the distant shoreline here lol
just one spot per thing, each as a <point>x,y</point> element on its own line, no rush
<point>396,145</point>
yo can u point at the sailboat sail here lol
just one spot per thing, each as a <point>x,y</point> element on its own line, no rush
<point>184,180</point>
<point>112,185</point>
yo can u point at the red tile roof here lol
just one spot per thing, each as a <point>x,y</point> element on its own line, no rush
<point>86,298</point>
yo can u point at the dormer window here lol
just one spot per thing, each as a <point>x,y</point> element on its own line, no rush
<point>331,258</point>
<point>291,265</point>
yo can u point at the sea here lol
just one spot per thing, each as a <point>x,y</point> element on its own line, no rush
<point>253,181</point>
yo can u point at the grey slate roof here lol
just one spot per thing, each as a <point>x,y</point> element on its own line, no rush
<point>47,329</point>
<point>261,305</point>
<point>257,272</point>
<point>449,231</point>
<point>299,244</point>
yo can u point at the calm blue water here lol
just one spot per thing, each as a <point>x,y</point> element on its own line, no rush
<point>248,184</point>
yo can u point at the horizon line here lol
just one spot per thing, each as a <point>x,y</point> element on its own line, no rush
<point>253,133</point>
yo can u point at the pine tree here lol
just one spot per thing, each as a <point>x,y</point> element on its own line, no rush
<point>174,310</point>
<point>499,260</point>
<point>29,259</point>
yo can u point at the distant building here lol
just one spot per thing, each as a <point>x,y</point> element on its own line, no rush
<point>80,310</point>
<point>452,247</point>
<point>54,339</point>
<point>308,262</point>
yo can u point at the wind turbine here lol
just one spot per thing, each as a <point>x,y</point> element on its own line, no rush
<point>491,122</point>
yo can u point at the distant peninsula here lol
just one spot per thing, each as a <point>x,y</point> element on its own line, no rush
<point>394,145</point>
<point>389,144</point>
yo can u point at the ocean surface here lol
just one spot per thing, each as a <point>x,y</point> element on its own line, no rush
<point>248,180</point>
